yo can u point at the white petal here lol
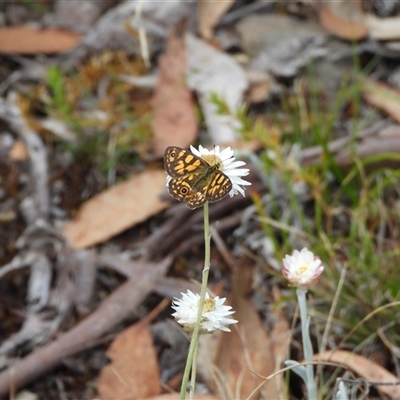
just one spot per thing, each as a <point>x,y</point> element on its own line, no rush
<point>195,151</point>
<point>203,150</point>
<point>226,154</point>
<point>216,151</point>
<point>237,172</point>
<point>236,164</point>
<point>239,181</point>
<point>226,163</point>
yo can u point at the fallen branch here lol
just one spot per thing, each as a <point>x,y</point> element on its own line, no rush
<point>115,309</point>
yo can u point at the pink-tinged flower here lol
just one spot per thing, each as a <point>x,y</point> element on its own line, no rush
<point>215,314</point>
<point>302,268</point>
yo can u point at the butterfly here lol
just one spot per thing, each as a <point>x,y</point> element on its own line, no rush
<point>193,179</point>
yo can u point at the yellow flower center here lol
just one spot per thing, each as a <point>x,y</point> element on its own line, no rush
<point>213,160</point>
<point>209,305</point>
<point>303,268</point>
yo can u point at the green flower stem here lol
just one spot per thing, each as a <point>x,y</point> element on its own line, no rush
<point>192,356</point>
<point>307,347</point>
<point>194,371</point>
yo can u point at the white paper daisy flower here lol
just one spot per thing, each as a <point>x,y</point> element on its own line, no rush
<point>215,315</point>
<point>227,164</point>
<point>198,176</point>
<point>302,268</point>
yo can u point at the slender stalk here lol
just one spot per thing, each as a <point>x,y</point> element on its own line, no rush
<point>192,356</point>
<point>307,346</point>
<point>194,371</point>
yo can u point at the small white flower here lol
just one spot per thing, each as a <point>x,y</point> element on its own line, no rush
<point>215,314</point>
<point>302,268</point>
<point>227,165</point>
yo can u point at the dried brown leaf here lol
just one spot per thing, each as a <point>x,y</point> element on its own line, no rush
<point>208,15</point>
<point>261,86</point>
<point>116,209</point>
<point>259,92</point>
<point>174,119</point>
<point>29,40</point>
<point>133,373</point>
<point>247,348</point>
<point>280,337</point>
<point>369,370</point>
<point>382,96</point>
<point>344,19</point>
<point>18,151</point>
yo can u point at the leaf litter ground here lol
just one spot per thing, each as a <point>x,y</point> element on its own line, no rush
<point>71,140</point>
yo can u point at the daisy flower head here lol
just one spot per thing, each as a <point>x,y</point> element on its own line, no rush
<point>302,268</point>
<point>227,164</point>
<point>215,315</point>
